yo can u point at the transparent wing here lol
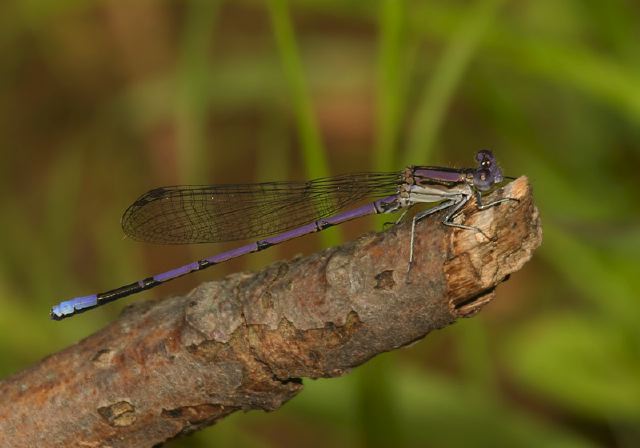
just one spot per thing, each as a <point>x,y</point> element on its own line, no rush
<point>216,213</point>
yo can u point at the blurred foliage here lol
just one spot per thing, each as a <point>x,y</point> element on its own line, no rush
<point>103,100</point>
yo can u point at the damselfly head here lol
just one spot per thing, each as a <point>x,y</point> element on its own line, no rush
<point>488,172</point>
<point>486,159</point>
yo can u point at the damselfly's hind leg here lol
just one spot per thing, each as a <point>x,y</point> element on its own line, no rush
<point>420,216</point>
<point>397,221</point>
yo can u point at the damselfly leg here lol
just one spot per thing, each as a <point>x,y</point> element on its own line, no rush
<point>423,214</point>
<point>483,206</point>
<point>455,205</point>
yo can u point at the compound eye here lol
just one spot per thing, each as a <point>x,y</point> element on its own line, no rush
<point>484,156</point>
<point>483,179</point>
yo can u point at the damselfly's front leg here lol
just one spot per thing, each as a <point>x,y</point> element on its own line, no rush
<point>455,211</point>
<point>456,204</point>
<point>482,206</point>
<point>448,220</point>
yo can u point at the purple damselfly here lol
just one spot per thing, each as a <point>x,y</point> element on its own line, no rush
<point>285,210</point>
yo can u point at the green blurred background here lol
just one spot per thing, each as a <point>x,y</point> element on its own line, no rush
<point>102,100</point>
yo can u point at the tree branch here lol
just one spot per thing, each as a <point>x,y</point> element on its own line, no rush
<point>169,367</point>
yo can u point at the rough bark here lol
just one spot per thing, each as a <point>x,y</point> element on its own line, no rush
<point>168,367</point>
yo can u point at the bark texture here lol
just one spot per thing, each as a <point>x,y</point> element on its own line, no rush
<point>169,367</point>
